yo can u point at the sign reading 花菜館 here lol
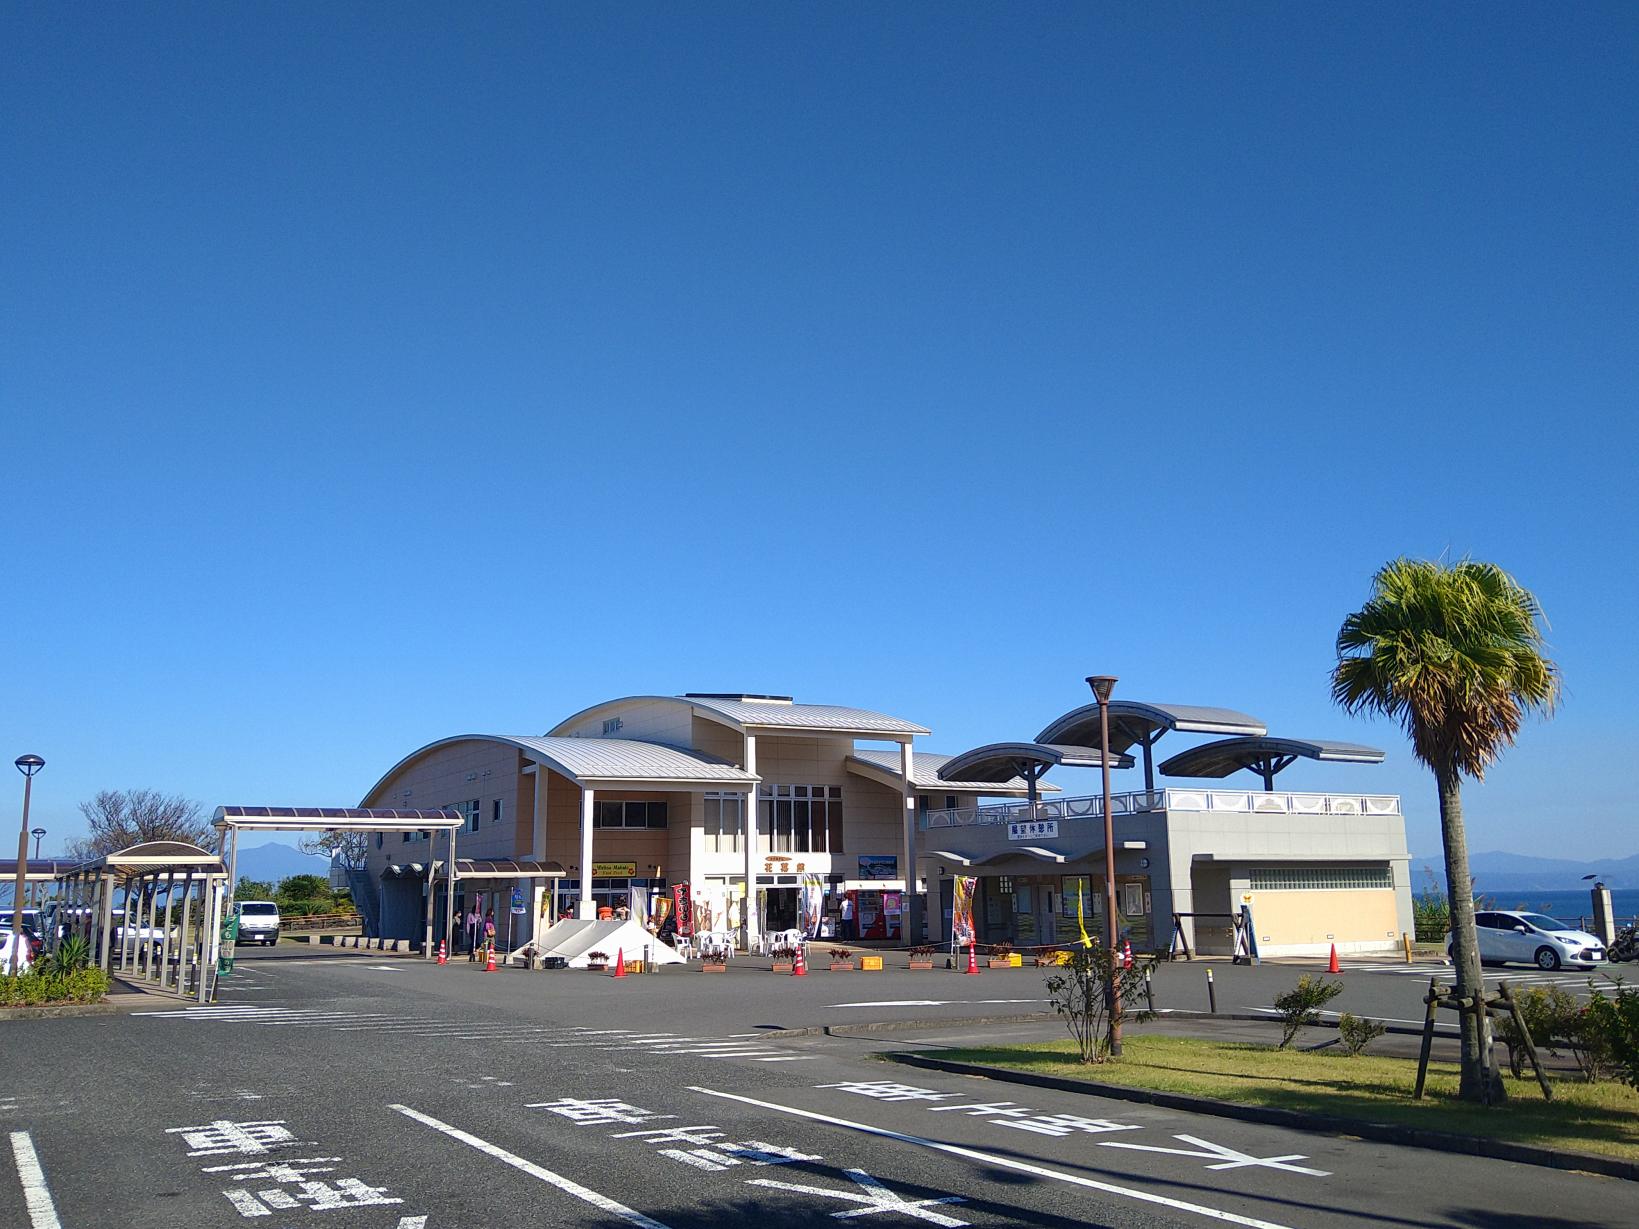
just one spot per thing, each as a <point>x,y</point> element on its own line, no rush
<point>1032,829</point>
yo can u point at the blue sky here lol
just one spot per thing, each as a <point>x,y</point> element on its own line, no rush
<point>373,373</point>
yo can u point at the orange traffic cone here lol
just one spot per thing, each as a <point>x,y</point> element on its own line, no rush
<point>799,966</point>
<point>1332,967</point>
<point>489,961</point>
<point>1126,954</point>
<point>972,961</point>
<point>443,953</point>
<point>620,962</point>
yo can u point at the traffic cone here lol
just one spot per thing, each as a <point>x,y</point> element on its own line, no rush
<point>620,962</point>
<point>443,953</point>
<point>489,960</point>
<point>1126,954</point>
<point>972,961</point>
<point>1332,966</point>
<point>799,966</point>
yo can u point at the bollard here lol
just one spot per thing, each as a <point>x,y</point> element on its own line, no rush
<point>1211,994</point>
<point>648,958</point>
<point>1149,991</point>
<point>1405,942</point>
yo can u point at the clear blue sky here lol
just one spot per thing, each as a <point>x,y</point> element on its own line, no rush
<point>373,373</point>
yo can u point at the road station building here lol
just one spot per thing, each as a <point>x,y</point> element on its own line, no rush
<point>620,801</point>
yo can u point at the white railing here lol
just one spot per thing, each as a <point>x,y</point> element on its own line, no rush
<point>1245,802</point>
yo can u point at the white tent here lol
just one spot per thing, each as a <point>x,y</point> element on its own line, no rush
<point>573,938</point>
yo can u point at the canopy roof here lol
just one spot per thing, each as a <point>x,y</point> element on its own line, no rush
<point>1007,761</point>
<point>157,855</point>
<point>506,868</point>
<point>333,819</point>
<point>1264,755</point>
<point>883,767</point>
<point>1135,721</point>
<point>752,713</point>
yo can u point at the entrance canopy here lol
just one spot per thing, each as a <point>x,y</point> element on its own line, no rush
<point>332,819</point>
<point>1137,723</point>
<point>1265,756</point>
<point>1006,762</point>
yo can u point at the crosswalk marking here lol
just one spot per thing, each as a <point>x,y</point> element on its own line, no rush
<point>734,1046</point>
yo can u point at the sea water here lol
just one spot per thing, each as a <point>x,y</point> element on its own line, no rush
<point>1567,906</point>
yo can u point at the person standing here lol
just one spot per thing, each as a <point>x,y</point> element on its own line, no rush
<point>489,930</point>
<point>848,931</point>
<point>472,932</point>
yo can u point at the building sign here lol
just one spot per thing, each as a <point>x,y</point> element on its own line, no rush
<point>878,866</point>
<point>779,864</point>
<point>518,900</point>
<point>613,870</point>
<point>1032,830</point>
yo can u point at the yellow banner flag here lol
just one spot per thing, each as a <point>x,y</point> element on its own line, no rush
<point>1081,925</point>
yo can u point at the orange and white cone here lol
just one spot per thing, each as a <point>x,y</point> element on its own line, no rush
<point>489,960</point>
<point>1332,965</point>
<point>443,953</point>
<point>972,961</point>
<point>1126,954</point>
<point>799,966</point>
<point>620,962</point>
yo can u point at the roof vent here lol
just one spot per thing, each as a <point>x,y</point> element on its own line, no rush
<point>742,696</point>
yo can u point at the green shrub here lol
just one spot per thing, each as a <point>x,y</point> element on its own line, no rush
<point>1614,1022</point>
<point>39,987</point>
<point>1302,1003</point>
<point>1356,1032</point>
<point>73,954</point>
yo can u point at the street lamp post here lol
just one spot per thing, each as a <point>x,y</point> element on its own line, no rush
<point>36,833</point>
<point>1103,685</point>
<point>28,765</point>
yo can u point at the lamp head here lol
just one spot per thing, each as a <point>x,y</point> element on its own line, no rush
<point>36,833</point>
<point>28,765</point>
<point>1103,685</point>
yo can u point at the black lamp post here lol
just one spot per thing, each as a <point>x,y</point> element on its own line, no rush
<point>28,765</point>
<point>1103,685</point>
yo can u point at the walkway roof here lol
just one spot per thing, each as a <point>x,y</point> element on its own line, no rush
<point>754,714</point>
<point>333,819</point>
<point>1263,755</point>
<point>1007,761</point>
<point>156,855</point>
<point>1134,721</point>
<point>883,768</point>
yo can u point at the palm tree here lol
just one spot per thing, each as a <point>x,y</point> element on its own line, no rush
<point>1455,654</point>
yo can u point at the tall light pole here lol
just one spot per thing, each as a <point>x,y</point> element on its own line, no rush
<point>28,765</point>
<point>36,833</point>
<point>1103,685</point>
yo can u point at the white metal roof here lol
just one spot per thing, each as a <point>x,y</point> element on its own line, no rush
<point>1002,761</point>
<point>883,766</point>
<point>742,712</point>
<point>1131,721</point>
<point>333,819</point>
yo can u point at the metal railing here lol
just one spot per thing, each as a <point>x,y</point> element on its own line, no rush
<point>1244,802</point>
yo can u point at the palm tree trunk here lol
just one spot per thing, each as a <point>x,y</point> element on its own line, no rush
<point>1465,947</point>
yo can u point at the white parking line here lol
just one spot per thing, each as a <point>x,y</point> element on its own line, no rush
<point>42,1213</point>
<point>601,1202</point>
<point>990,1158</point>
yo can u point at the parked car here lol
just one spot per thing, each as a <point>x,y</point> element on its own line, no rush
<point>1534,938</point>
<point>26,955</point>
<point>258,921</point>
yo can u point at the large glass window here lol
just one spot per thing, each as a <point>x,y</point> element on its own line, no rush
<point>800,818</point>
<point>722,823</point>
<point>613,813</point>
<point>1320,878</point>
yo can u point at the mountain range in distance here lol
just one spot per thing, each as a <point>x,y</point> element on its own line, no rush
<point>1497,871</point>
<point>272,862</point>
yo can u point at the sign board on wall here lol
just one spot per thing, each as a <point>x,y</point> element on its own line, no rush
<point>613,870</point>
<point>878,866</point>
<point>518,900</point>
<point>1032,829</point>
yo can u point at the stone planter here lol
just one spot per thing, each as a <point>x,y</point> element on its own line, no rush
<point>597,968</point>
<point>921,964</point>
<point>713,966</point>
<point>842,966</point>
<point>999,962</point>
<point>782,966</point>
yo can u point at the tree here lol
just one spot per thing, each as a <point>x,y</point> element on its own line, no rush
<point>1455,654</point>
<point>120,818</point>
<point>1079,992</point>
<point>253,889</point>
<point>351,849</point>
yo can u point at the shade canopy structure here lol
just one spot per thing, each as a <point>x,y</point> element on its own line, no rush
<point>1265,756</point>
<point>332,819</point>
<point>1138,723</point>
<point>883,768</point>
<point>1001,762</point>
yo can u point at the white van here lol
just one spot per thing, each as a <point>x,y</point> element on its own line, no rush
<point>258,921</point>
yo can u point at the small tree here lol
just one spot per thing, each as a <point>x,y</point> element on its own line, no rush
<point>350,849</point>
<point>253,889</point>
<point>119,819</point>
<point>1302,1003</point>
<point>1079,990</point>
<point>1615,1021</point>
<point>1357,1032</point>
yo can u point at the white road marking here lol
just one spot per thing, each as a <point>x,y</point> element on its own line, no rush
<point>568,1186</point>
<point>875,1197</point>
<point>990,1158</point>
<point>412,1222</point>
<point>1224,1157</point>
<point>42,1213</point>
<point>930,1002</point>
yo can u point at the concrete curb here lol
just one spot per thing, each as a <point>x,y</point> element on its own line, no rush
<point>899,1026</point>
<point>61,1010</point>
<point>1182,1013</point>
<point>1298,1120</point>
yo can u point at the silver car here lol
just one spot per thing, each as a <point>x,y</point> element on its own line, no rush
<point>1534,938</point>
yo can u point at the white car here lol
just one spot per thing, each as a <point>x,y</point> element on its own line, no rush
<point>26,958</point>
<point>1534,938</point>
<point>258,921</point>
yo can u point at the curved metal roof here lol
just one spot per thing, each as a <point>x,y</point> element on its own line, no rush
<point>1264,755</point>
<point>744,712</point>
<point>883,767</point>
<point>1006,761</point>
<point>588,761</point>
<point>1135,721</point>
<point>323,819</point>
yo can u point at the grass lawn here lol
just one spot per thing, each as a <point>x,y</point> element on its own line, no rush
<point>1600,1118</point>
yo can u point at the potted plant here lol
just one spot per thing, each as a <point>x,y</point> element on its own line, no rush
<point>714,958</point>
<point>597,961</point>
<point>1001,956</point>
<point>922,957</point>
<point>1052,956</point>
<point>842,960</point>
<point>784,959</point>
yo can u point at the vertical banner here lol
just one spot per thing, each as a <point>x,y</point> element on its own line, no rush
<point>812,902</point>
<point>961,918</point>
<point>684,905</point>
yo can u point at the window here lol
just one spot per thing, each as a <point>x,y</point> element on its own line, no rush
<point>469,812</point>
<point>379,838</point>
<point>618,814</point>
<point>494,813</point>
<point>1320,878</point>
<point>800,818</point>
<point>722,823</point>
